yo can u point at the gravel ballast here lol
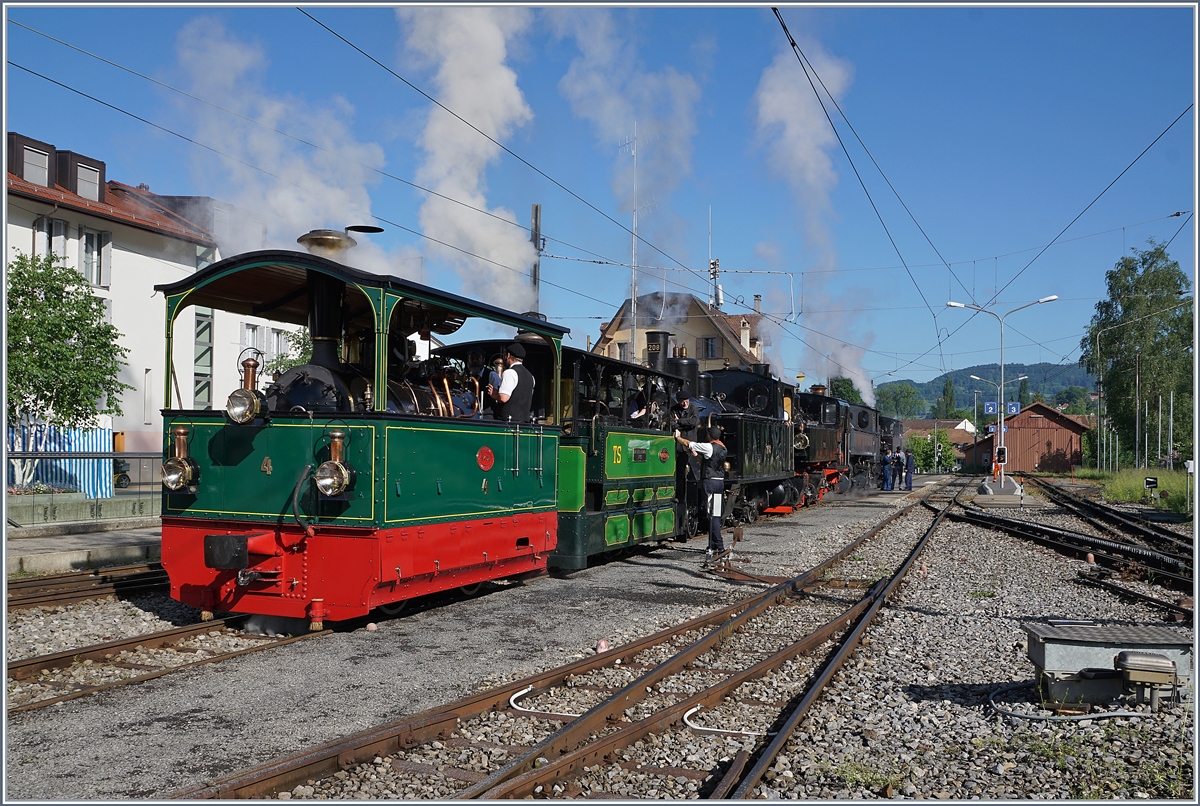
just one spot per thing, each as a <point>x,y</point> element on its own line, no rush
<point>152,739</point>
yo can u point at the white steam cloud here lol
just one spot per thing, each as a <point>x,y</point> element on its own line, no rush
<point>467,49</point>
<point>799,142</point>
<point>298,188</point>
<point>606,87</point>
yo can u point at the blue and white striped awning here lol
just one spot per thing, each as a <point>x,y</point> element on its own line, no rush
<point>93,477</point>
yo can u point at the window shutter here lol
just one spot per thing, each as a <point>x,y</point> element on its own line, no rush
<point>261,339</point>
<point>105,259</point>
<point>243,330</point>
<point>58,238</point>
<point>41,242</point>
<point>700,350</point>
<point>720,347</point>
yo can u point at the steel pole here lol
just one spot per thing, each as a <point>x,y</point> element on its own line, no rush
<point>1160,461</point>
<point>1171,433</point>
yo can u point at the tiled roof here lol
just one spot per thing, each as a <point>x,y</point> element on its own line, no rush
<point>134,207</point>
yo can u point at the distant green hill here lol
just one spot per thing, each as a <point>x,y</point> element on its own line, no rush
<point>1049,379</point>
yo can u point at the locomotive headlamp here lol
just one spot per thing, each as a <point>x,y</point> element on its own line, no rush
<point>246,404</point>
<point>180,470</point>
<point>335,476</point>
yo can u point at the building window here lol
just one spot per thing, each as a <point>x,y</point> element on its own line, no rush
<point>88,182</point>
<point>95,253</point>
<point>202,386</point>
<point>254,336</point>
<point>37,167</point>
<point>623,350</point>
<point>205,256</point>
<point>279,343</point>
<point>712,347</point>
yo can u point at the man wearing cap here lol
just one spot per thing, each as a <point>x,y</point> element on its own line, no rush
<point>515,395</point>
<point>686,421</point>
<point>712,455</point>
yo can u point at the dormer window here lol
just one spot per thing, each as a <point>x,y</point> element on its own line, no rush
<point>37,167</point>
<point>89,182</point>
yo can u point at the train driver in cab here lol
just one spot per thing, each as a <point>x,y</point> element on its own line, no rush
<point>514,398</point>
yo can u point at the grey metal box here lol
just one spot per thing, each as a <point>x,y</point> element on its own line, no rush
<point>1065,649</point>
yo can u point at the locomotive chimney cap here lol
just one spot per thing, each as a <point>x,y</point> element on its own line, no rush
<point>332,240</point>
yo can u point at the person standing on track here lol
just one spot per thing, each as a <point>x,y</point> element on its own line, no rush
<point>712,452</point>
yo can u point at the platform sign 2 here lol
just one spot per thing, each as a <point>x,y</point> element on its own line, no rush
<point>991,407</point>
<point>992,429</point>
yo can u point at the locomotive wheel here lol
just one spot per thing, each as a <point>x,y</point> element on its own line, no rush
<point>393,609</point>
<point>691,526</point>
<point>470,590</point>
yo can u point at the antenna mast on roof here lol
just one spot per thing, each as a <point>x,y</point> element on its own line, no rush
<point>631,143</point>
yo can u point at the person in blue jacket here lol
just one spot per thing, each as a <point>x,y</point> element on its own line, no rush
<point>910,467</point>
<point>886,465</point>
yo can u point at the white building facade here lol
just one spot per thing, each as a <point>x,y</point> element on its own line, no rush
<point>125,240</point>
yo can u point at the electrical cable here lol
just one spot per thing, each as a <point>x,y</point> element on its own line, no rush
<point>895,192</point>
<point>294,137</point>
<point>497,143</point>
<point>274,176</point>
<point>1162,134</point>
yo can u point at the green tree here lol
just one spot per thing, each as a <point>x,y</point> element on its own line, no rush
<point>1145,332</point>
<point>1023,393</point>
<point>299,352</point>
<point>924,454</point>
<point>845,389</point>
<point>1075,398</point>
<point>64,361</point>
<point>899,400</point>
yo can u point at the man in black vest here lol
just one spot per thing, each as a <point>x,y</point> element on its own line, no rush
<point>712,452</point>
<point>687,422</point>
<point>515,395</point>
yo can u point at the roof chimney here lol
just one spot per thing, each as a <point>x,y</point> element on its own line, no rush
<point>758,303</point>
<point>745,335</point>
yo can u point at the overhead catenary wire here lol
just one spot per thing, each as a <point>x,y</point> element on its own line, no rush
<point>806,66</point>
<point>293,137</point>
<point>275,176</point>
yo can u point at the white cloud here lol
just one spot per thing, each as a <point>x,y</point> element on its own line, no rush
<point>467,48</point>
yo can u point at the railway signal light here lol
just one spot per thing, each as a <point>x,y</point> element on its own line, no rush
<point>1002,455</point>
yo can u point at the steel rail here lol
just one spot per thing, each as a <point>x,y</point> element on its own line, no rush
<point>1089,578</point>
<point>440,722</point>
<point>517,773</point>
<point>766,757</point>
<point>1056,539</point>
<point>60,589</point>
<point>1102,512</point>
<point>28,668</point>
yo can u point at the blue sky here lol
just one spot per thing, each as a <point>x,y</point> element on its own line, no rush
<point>996,126</point>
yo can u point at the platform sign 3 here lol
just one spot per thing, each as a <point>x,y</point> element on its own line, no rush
<point>1012,407</point>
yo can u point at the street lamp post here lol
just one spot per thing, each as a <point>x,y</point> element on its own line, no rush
<point>999,394</point>
<point>1001,319</point>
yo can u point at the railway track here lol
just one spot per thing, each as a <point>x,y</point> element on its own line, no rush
<point>1114,522</point>
<point>77,586</point>
<point>735,680</point>
<point>50,679</point>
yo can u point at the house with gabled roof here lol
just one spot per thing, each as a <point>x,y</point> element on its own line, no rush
<point>1040,438</point>
<point>698,330</point>
<point>124,240</point>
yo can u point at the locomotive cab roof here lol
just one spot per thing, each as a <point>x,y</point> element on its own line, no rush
<point>274,284</point>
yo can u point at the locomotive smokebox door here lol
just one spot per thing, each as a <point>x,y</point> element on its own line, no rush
<point>226,552</point>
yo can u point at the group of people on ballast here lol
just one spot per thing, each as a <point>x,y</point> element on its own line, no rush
<point>505,385</point>
<point>897,469</point>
